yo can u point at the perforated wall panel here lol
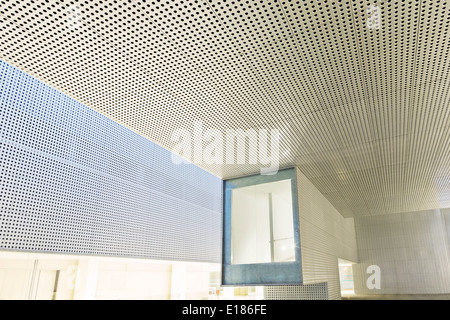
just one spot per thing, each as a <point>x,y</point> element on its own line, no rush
<point>411,249</point>
<point>74,181</point>
<point>317,291</point>
<point>325,236</point>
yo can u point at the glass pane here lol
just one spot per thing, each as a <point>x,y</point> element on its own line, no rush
<point>262,228</point>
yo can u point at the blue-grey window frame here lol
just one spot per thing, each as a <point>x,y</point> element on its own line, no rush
<point>273,273</point>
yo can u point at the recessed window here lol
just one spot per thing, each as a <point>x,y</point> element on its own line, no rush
<point>262,229</point>
<point>261,233</point>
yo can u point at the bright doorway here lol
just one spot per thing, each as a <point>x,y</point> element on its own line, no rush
<point>346,277</point>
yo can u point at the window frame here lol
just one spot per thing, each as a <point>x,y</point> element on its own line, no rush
<point>267,273</point>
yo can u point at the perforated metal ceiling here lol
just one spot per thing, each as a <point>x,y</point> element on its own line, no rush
<point>364,112</point>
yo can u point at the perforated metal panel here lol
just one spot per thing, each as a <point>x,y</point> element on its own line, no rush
<point>74,181</point>
<point>363,104</point>
<point>411,250</point>
<point>317,291</point>
<point>325,236</point>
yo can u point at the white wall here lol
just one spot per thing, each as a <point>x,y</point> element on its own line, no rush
<point>411,249</point>
<point>325,236</point>
<point>32,276</point>
<point>283,226</point>
<point>250,225</point>
<point>446,216</point>
<point>15,279</point>
<point>133,281</point>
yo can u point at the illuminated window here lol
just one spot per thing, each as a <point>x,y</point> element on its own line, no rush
<point>261,234</point>
<point>262,223</point>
